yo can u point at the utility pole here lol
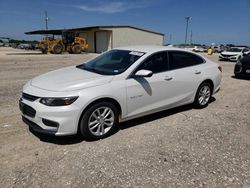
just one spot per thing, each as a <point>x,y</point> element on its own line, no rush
<point>46,23</point>
<point>187,21</point>
<point>46,20</point>
<point>191,37</point>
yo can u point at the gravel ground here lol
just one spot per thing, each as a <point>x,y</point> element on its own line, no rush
<point>183,147</point>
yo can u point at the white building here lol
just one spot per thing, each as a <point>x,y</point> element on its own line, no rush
<point>103,38</point>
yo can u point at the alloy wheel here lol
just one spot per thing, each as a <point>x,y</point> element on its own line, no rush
<point>101,121</point>
<point>204,95</point>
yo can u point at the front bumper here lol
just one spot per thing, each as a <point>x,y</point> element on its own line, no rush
<point>240,70</point>
<point>230,58</point>
<point>58,121</point>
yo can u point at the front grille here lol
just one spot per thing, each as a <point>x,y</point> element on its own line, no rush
<point>226,55</point>
<point>27,110</point>
<point>29,97</point>
<point>31,124</point>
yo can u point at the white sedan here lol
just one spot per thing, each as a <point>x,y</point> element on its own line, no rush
<point>234,53</point>
<point>119,85</point>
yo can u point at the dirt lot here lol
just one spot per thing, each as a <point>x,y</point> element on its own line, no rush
<point>183,147</point>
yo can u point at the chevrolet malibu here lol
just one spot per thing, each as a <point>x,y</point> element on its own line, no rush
<point>119,85</point>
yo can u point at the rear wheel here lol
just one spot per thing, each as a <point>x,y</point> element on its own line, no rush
<point>203,95</point>
<point>57,49</point>
<point>99,121</point>
<point>77,49</point>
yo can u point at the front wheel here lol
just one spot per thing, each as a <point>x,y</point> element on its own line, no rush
<point>99,121</point>
<point>203,95</point>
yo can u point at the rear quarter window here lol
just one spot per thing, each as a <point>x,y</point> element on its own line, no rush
<point>179,59</point>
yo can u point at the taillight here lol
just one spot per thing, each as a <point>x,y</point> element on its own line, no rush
<point>220,68</point>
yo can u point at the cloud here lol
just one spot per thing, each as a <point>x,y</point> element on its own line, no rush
<point>114,7</point>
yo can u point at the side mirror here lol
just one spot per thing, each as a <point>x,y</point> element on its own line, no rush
<point>143,73</point>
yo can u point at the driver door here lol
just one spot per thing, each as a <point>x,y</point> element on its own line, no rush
<point>145,94</point>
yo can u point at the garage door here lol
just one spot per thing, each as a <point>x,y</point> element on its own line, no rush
<point>102,41</point>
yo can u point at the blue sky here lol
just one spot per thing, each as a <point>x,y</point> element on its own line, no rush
<point>219,21</point>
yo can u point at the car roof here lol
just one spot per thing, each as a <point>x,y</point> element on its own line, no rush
<point>149,48</point>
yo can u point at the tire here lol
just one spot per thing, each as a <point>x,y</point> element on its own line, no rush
<point>44,51</point>
<point>93,124</point>
<point>203,95</point>
<point>77,49</point>
<point>57,49</point>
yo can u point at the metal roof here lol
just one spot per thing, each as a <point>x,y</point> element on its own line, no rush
<point>59,31</point>
<point>43,32</point>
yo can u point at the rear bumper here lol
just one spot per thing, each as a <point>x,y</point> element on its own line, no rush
<point>216,90</point>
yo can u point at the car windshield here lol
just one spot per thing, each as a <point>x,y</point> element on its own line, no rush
<point>234,50</point>
<point>112,62</point>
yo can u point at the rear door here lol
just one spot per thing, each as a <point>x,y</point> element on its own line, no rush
<point>187,70</point>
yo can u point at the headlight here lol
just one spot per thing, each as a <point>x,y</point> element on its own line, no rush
<point>58,101</point>
<point>238,63</point>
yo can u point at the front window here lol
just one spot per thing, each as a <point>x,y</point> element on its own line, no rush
<point>112,62</point>
<point>234,50</point>
<point>155,63</point>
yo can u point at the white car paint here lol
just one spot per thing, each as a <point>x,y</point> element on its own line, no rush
<point>136,96</point>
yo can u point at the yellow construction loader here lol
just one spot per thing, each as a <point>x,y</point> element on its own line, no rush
<point>70,42</point>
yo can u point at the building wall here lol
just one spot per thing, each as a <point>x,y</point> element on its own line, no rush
<point>103,40</point>
<point>123,37</point>
<point>130,36</point>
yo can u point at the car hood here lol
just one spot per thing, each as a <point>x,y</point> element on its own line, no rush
<point>69,79</point>
<point>230,53</point>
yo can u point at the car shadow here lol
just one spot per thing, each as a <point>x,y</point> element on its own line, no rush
<point>25,53</point>
<point>240,77</point>
<point>75,139</point>
<point>59,140</point>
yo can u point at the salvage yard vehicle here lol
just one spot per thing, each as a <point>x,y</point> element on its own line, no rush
<point>242,67</point>
<point>70,42</point>
<point>119,85</point>
<point>233,53</point>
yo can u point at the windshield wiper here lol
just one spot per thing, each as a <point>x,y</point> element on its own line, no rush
<point>91,69</point>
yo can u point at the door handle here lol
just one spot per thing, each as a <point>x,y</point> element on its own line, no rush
<point>168,78</point>
<point>197,72</point>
